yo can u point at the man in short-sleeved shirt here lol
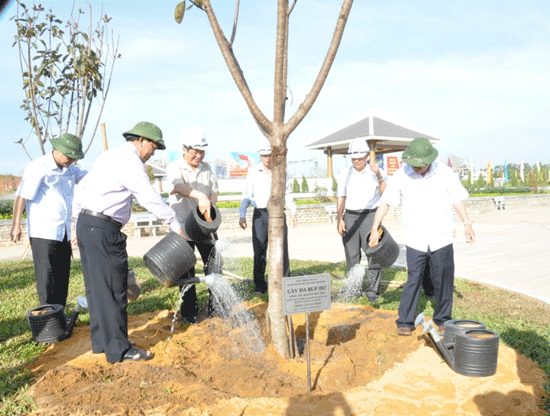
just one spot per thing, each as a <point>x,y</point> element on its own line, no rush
<point>193,184</point>
<point>428,191</point>
<point>359,189</point>
<point>257,192</point>
<point>47,188</point>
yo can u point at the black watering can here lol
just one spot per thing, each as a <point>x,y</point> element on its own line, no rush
<point>49,323</point>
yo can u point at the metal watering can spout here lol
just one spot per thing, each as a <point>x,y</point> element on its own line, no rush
<point>209,280</point>
<point>436,339</point>
<point>81,302</point>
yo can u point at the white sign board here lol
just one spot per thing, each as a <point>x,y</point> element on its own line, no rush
<point>302,294</point>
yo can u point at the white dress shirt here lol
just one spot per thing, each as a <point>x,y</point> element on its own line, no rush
<point>360,189</point>
<point>202,179</point>
<point>117,175</point>
<point>258,189</point>
<point>427,204</point>
<point>48,192</point>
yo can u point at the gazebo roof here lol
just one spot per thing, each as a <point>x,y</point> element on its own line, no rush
<point>383,135</point>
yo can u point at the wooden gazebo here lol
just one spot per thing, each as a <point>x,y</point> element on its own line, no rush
<point>382,136</point>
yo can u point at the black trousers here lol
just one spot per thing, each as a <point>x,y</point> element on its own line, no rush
<point>190,305</point>
<point>260,223</point>
<point>105,268</point>
<point>52,266</point>
<point>358,228</point>
<point>441,265</point>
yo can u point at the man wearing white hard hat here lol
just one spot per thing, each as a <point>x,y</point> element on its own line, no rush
<point>257,192</point>
<point>359,190</point>
<point>192,182</point>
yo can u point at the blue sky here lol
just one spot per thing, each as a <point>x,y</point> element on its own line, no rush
<point>474,73</point>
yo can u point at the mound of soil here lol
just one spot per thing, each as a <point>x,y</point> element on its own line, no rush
<point>359,366</point>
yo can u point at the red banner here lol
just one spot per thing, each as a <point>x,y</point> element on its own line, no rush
<point>393,163</point>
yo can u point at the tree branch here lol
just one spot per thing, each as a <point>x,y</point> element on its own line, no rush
<point>292,7</point>
<point>325,68</point>
<point>280,64</point>
<point>234,32</point>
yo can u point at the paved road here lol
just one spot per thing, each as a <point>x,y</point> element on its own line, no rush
<point>7,196</point>
<point>512,248</point>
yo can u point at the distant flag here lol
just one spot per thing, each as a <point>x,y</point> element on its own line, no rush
<point>521,168</point>
<point>505,171</point>
<point>449,163</point>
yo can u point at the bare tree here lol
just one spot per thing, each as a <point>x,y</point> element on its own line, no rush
<point>277,132</point>
<point>64,73</point>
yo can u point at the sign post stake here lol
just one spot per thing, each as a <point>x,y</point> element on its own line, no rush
<point>308,356</point>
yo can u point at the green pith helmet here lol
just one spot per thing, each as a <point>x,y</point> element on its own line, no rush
<point>69,145</point>
<point>147,130</point>
<point>419,153</point>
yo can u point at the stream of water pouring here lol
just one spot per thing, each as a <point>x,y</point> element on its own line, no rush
<point>184,289</point>
<point>228,304</point>
<point>353,283</point>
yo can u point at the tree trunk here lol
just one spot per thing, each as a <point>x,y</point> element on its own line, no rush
<point>276,207</point>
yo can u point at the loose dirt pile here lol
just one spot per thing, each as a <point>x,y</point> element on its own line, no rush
<point>358,367</point>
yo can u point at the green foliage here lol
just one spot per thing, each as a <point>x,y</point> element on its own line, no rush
<point>305,186</point>
<point>320,190</point>
<point>295,186</point>
<point>6,209</point>
<point>150,174</point>
<point>334,185</point>
<point>228,204</point>
<point>63,70</point>
<point>480,183</point>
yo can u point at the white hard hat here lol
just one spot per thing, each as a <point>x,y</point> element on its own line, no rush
<point>193,138</point>
<point>264,148</point>
<point>358,148</point>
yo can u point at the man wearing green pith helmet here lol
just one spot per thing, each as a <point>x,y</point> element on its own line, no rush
<point>103,206</point>
<point>47,190</point>
<point>428,191</point>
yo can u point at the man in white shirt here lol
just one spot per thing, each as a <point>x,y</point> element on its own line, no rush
<point>193,184</point>
<point>47,189</point>
<point>103,205</point>
<point>257,192</point>
<point>427,190</point>
<point>359,189</point>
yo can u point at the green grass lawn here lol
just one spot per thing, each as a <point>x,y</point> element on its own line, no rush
<point>521,322</point>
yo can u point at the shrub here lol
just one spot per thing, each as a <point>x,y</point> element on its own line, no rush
<point>6,209</point>
<point>305,186</point>
<point>295,186</point>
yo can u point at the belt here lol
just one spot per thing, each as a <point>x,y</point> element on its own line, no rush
<point>261,209</point>
<point>360,211</point>
<point>102,216</point>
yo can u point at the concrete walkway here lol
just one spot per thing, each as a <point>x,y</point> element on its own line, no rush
<point>512,248</point>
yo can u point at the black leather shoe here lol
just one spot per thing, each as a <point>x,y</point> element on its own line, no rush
<point>189,319</point>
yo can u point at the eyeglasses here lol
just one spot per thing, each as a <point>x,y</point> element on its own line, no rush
<point>194,152</point>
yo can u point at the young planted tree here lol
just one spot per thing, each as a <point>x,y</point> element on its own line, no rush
<point>276,131</point>
<point>65,73</point>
